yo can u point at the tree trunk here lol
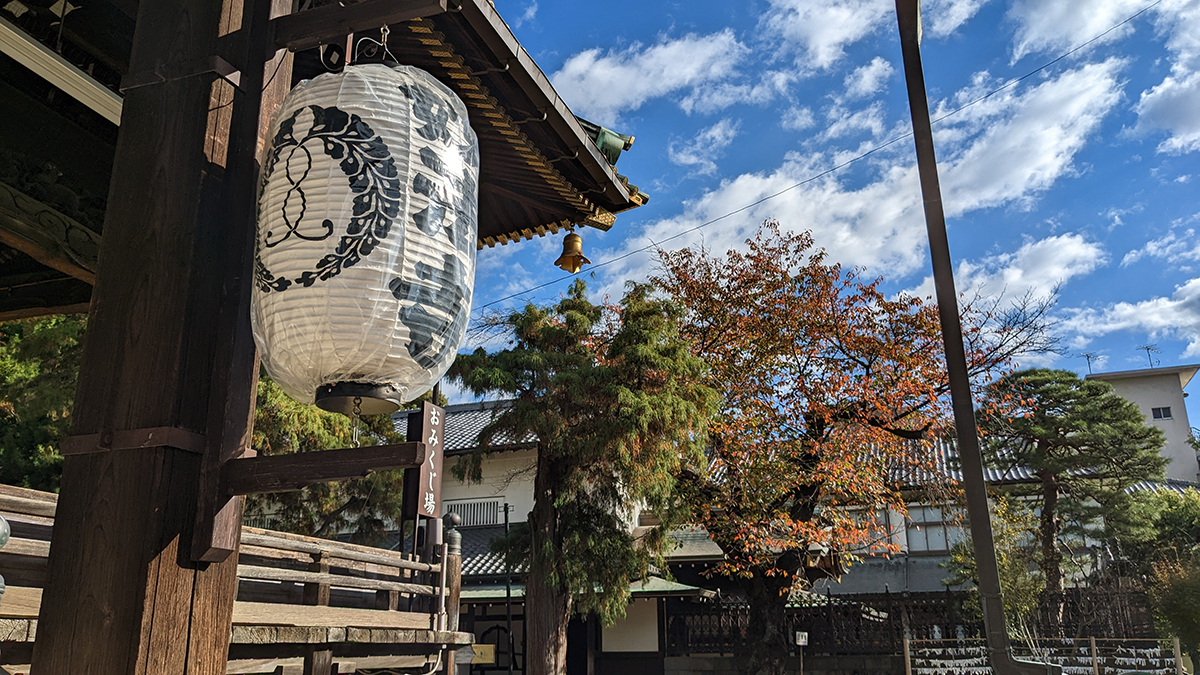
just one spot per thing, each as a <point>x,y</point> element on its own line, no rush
<point>767,643</point>
<point>1051,554</point>
<point>547,603</point>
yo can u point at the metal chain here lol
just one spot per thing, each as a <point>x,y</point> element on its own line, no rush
<point>357,417</point>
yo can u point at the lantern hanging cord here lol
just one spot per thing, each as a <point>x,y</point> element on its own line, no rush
<point>384,31</point>
<point>834,169</point>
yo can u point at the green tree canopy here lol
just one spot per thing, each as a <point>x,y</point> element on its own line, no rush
<point>1085,444</point>
<point>39,366</point>
<point>612,395</point>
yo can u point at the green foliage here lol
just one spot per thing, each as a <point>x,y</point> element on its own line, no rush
<point>39,366</point>
<point>365,507</point>
<point>613,397</point>
<point>1175,592</point>
<point>1014,533</point>
<point>1086,445</point>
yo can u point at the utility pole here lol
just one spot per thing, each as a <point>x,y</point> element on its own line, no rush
<point>908,13</point>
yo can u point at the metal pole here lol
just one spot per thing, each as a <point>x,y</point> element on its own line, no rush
<point>508,597</point>
<point>908,14</point>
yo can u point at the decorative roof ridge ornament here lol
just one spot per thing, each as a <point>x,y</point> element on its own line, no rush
<point>609,142</point>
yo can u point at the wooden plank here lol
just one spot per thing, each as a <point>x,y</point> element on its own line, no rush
<point>305,577</point>
<point>283,473</point>
<point>33,507</point>
<point>332,23</point>
<point>26,493</point>
<point>62,295</point>
<point>286,541</point>
<point>20,603</point>
<point>44,234</point>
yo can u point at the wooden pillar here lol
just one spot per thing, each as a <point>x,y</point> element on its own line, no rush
<point>168,378</point>
<point>318,661</point>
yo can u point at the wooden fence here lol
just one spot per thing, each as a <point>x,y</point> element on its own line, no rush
<point>878,623</point>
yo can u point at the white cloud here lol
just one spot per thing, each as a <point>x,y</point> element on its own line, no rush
<point>601,85</point>
<point>797,118</point>
<point>1172,105</point>
<point>1171,247</point>
<point>528,15</point>
<point>942,17</point>
<point>701,152</point>
<point>869,79</point>
<point>1037,268</point>
<point>1175,316</point>
<point>1004,151</point>
<point>842,122</point>
<point>714,96</point>
<point>1058,25</point>
<point>820,31</point>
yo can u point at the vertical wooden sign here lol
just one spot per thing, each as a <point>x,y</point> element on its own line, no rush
<point>423,486</point>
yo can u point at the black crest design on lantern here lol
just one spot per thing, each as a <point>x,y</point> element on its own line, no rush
<point>372,175</point>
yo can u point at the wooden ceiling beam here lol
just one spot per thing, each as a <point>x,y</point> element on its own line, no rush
<point>332,23</point>
<point>47,236</point>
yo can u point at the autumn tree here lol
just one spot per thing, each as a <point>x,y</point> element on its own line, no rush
<point>1086,445</point>
<point>831,390</point>
<point>612,396</point>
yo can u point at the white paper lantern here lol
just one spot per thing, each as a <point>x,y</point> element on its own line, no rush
<point>367,231</point>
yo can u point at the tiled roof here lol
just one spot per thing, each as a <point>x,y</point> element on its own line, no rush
<point>464,421</point>
<point>478,560</point>
<point>654,587</point>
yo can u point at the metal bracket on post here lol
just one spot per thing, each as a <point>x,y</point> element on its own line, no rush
<point>164,72</point>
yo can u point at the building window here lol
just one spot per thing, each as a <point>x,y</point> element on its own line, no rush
<point>931,530</point>
<point>1161,413</point>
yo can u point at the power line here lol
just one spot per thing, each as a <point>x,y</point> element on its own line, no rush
<point>822,174</point>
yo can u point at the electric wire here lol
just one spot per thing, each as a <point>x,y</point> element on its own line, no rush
<point>656,245</point>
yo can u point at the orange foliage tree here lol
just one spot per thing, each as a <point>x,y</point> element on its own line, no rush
<point>831,391</point>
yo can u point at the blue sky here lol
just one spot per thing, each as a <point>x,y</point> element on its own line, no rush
<point>1084,175</point>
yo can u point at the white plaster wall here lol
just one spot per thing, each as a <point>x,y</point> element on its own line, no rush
<point>506,475</point>
<point>1157,391</point>
<point>637,632</point>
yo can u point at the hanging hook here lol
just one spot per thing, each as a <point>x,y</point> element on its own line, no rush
<point>381,43</point>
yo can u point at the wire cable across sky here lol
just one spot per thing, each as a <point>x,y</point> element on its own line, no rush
<point>658,244</point>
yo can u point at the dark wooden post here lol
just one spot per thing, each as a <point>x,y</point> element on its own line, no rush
<point>166,388</point>
<point>317,594</point>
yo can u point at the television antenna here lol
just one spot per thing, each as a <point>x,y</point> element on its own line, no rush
<point>1151,349</point>
<point>1090,356</point>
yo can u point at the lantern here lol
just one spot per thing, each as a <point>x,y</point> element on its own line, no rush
<point>367,231</point>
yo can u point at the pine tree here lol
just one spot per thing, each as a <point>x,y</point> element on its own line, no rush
<point>1085,444</point>
<point>612,396</point>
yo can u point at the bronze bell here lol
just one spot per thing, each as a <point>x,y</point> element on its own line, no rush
<point>572,257</point>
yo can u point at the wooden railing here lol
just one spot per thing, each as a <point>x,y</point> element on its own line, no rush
<point>305,605</point>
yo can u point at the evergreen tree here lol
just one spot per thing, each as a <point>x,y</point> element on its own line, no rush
<point>1085,444</point>
<point>612,396</point>
<point>39,365</point>
<point>366,508</point>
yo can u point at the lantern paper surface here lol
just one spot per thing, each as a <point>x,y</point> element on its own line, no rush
<point>367,231</point>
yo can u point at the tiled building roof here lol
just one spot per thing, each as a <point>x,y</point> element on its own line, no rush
<point>464,421</point>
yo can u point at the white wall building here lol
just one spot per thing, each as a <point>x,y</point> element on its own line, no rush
<point>1159,393</point>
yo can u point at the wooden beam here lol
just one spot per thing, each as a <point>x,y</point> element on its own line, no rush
<point>122,592</point>
<point>52,296</point>
<point>47,236</point>
<point>332,23</point>
<point>59,72</point>
<point>284,473</point>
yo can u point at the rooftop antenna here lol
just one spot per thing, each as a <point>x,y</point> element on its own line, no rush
<point>1151,349</point>
<point>1090,356</point>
